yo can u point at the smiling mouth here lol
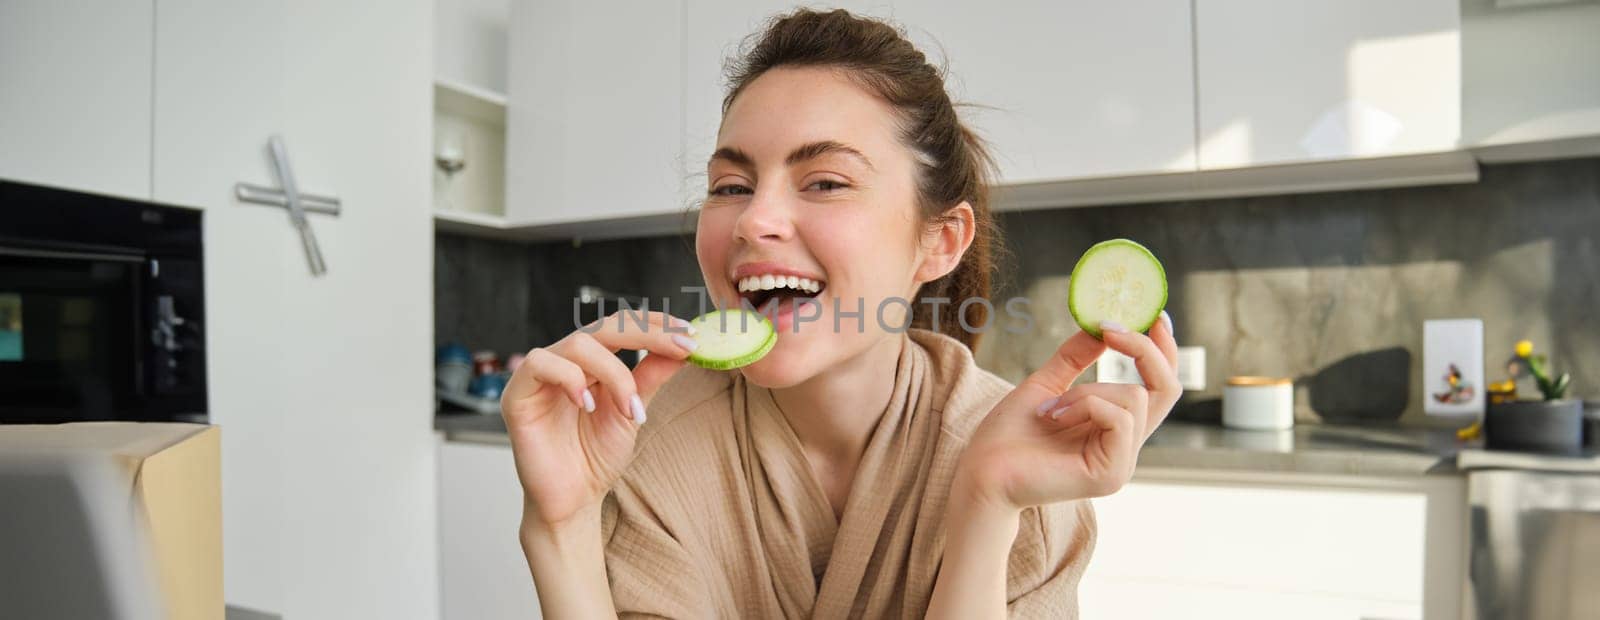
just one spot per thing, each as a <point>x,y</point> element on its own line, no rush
<point>761,290</point>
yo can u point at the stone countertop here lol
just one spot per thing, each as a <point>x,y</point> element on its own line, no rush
<point>1199,447</point>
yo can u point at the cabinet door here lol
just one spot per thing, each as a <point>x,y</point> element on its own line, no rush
<point>595,120</point>
<point>482,573</point>
<point>322,385</point>
<point>1069,89</point>
<point>75,95</point>
<point>1257,551</point>
<point>1283,81</point>
<point>714,32</point>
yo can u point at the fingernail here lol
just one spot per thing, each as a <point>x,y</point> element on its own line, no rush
<point>1113,327</point>
<point>1054,415</point>
<point>683,325</point>
<point>1046,405</point>
<point>1167,318</point>
<point>685,342</point>
<point>637,406</point>
<point>588,401</point>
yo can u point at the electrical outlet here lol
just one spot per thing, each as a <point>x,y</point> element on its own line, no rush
<point>1192,368</point>
<point>1114,367</point>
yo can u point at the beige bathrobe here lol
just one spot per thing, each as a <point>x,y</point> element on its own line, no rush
<point>720,517</point>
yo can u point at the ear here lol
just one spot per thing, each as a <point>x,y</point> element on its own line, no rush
<point>945,242</point>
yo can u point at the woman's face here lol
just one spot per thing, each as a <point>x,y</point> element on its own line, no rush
<point>810,180</point>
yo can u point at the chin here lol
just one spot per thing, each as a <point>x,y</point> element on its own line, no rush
<point>784,367</point>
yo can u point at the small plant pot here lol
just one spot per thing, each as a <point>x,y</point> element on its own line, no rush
<point>1554,427</point>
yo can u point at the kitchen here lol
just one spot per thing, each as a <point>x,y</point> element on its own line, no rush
<point>1321,181</point>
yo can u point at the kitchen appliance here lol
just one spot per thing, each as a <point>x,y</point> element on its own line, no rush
<point>1535,534</point>
<point>102,309</point>
<point>1258,403</point>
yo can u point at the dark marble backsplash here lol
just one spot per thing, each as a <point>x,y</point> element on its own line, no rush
<point>1328,288</point>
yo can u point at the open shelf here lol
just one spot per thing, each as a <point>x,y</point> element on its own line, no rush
<point>469,102</point>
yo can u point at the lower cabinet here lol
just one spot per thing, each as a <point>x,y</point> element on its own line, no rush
<point>1279,549</point>
<point>483,575</point>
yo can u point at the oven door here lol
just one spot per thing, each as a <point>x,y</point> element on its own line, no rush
<point>80,339</point>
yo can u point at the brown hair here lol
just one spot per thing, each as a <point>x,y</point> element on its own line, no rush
<point>954,162</point>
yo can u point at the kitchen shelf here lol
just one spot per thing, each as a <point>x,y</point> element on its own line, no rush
<point>469,102</point>
<point>470,223</point>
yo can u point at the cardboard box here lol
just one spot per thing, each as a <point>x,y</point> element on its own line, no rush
<point>170,474</point>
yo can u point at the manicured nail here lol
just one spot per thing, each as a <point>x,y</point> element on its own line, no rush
<point>588,401</point>
<point>1046,405</point>
<point>683,325</point>
<point>1056,415</point>
<point>687,343</point>
<point>1113,327</point>
<point>638,409</point>
<point>1167,318</point>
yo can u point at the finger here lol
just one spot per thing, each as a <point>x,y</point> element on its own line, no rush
<point>601,363</point>
<point>1129,397</point>
<point>542,367</point>
<point>1154,367</point>
<point>660,334</point>
<point>1165,339</point>
<point>1118,442</point>
<point>1070,360</point>
<point>652,373</point>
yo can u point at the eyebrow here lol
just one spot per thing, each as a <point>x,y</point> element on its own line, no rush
<point>806,152</point>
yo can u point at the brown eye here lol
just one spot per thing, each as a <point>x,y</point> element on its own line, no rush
<point>827,185</point>
<point>731,189</point>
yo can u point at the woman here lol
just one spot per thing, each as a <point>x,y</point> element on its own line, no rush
<point>858,469</point>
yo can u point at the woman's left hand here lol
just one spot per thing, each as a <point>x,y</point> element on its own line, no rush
<point>1048,441</point>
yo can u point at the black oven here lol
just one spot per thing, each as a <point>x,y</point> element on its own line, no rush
<point>102,308</point>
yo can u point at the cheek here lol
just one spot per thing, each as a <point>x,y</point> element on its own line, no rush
<point>872,248</point>
<point>713,238</point>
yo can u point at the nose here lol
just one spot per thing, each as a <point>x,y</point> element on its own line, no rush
<point>766,218</point>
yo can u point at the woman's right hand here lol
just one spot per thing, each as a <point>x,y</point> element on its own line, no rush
<point>572,410</point>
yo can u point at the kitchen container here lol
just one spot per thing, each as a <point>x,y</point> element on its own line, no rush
<point>1258,403</point>
<point>1547,426</point>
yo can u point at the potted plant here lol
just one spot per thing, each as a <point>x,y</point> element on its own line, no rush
<point>1552,424</point>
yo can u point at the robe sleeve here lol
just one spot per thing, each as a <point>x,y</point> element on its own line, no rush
<point>650,573</point>
<point>1052,550</point>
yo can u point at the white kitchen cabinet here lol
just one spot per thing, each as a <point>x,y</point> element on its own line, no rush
<point>482,574</point>
<point>1530,75</point>
<point>1281,549</point>
<point>322,385</point>
<point>1282,81</point>
<point>1067,90</point>
<point>595,115</point>
<point>75,95</point>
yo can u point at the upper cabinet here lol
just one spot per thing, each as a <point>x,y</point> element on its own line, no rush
<point>1530,73</point>
<point>75,95</point>
<point>595,119</point>
<point>1066,90</point>
<point>1283,81</point>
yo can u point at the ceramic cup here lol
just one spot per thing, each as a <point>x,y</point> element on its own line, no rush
<point>1258,403</point>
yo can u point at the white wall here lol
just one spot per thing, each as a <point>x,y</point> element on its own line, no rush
<point>322,386</point>
<point>470,42</point>
<point>75,95</point>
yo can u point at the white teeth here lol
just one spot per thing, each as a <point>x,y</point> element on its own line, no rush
<point>772,281</point>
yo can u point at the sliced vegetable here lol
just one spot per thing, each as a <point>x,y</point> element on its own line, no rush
<point>1120,281</point>
<point>729,339</point>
